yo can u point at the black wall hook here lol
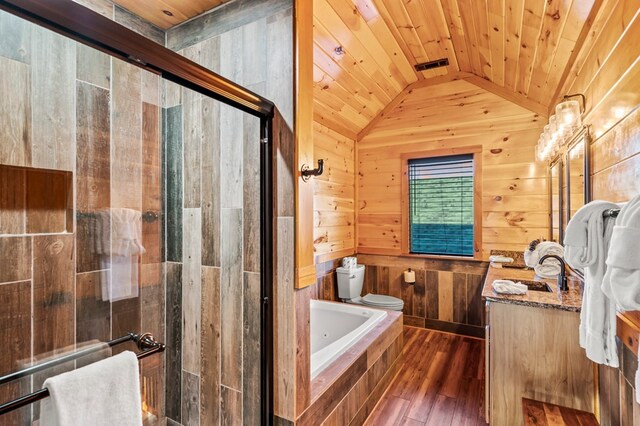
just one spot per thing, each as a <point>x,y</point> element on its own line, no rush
<point>307,173</point>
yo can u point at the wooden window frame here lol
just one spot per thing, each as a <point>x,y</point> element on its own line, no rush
<point>476,152</point>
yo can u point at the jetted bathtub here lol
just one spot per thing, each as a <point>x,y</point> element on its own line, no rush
<point>335,327</point>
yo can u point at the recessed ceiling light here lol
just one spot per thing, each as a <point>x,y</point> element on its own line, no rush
<point>167,12</point>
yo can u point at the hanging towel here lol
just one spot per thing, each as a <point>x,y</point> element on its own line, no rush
<point>622,280</point>
<point>509,287</point>
<point>118,239</point>
<point>104,393</point>
<point>586,245</point>
<point>119,278</point>
<point>126,232</point>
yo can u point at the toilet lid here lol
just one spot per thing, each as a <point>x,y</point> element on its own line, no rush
<point>382,300</point>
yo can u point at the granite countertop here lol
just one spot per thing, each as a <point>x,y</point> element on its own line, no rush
<point>517,256</point>
<point>570,300</point>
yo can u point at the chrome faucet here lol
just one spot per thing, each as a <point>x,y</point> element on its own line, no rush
<point>562,277</point>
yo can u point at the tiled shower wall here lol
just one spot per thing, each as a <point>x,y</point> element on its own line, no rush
<point>80,135</point>
<point>110,130</point>
<point>212,207</point>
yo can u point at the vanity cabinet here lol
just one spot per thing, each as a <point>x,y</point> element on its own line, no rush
<point>533,352</point>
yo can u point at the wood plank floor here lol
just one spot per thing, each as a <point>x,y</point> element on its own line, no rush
<point>441,383</point>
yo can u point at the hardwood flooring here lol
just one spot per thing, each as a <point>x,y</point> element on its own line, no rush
<point>441,383</point>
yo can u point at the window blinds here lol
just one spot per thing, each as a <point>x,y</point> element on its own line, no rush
<point>441,205</point>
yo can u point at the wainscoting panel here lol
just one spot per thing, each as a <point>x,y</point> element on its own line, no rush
<point>447,295</point>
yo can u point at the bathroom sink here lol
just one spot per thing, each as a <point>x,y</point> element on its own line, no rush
<point>536,285</point>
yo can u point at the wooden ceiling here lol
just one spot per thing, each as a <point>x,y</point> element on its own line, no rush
<point>519,49</point>
<point>168,13</point>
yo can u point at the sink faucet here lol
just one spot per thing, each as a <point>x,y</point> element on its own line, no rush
<point>562,277</point>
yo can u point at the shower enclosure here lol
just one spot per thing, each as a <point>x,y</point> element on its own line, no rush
<point>135,196</point>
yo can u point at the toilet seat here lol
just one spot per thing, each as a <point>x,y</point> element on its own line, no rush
<point>382,301</point>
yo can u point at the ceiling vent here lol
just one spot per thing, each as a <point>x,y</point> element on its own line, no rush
<point>432,64</point>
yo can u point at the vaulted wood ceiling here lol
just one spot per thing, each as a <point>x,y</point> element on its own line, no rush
<point>168,13</point>
<point>518,49</point>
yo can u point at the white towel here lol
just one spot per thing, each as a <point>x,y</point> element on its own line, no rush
<point>621,281</point>
<point>104,393</point>
<point>126,232</point>
<point>498,258</point>
<point>118,239</point>
<point>586,244</point>
<point>509,287</point>
<point>551,267</point>
<point>531,258</point>
<point>120,277</point>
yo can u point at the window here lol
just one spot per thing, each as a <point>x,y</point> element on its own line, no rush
<point>442,194</point>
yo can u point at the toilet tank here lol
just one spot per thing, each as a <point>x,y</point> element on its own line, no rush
<point>350,282</point>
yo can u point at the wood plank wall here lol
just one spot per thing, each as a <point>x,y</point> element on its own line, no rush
<point>69,112</point>
<point>213,227</point>
<point>334,195</point>
<point>607,71</point>
<point>454,114</point>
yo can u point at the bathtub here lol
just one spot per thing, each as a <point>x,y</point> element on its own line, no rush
<point>335,327</point>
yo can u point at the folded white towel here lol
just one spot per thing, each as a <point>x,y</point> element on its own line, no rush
<point>586,244</point>
<point>531,258</point>
<point>549,269</point>
<point>497,258</point>
<point>509,287</point>
<point>104,393</point>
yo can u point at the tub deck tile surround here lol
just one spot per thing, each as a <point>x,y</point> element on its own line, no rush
<point>356,376</point>
<point>441,382</point>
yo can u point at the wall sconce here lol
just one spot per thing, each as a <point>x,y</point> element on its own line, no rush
<point>562,124</point>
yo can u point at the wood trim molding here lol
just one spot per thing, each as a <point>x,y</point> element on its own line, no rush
<point>330,124</point>
<point>379,251</point>
<point>303,66</point>
<point>476,150</point>
<point>628,330</point>
<point>577,50</point>
<point>406,92</point>
<point>507,94</point>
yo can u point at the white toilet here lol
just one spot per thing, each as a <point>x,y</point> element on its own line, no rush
<point>350,286</point>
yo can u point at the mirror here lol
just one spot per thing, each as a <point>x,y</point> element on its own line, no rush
<point>555,200</point>
<point>568,188</point>
<point>577,167</point>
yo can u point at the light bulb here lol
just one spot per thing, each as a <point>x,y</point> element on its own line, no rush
<point>568,115</point>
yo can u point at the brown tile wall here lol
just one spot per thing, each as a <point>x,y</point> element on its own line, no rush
<point>618,404</point>
<point>141,143</point>
<point>85,136</point>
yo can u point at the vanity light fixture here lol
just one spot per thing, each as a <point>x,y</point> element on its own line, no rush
<point>562,124</point>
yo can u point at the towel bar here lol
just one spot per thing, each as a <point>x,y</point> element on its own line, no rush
<point>611,213</point>
<point>145,342</point>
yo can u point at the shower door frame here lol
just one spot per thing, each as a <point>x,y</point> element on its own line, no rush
<point>92,29</point>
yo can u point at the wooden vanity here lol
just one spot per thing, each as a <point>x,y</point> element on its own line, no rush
<point>533,349</point>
